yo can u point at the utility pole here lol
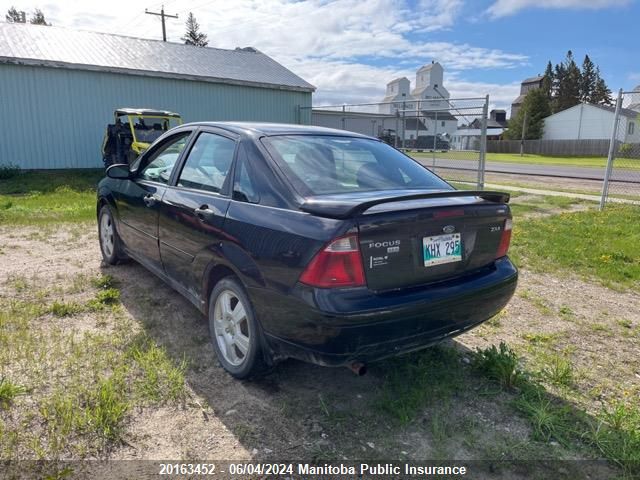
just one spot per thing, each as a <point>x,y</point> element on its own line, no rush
<point>162,16</point>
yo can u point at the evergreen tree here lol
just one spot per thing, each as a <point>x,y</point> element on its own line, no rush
<point>588,80</point>
<point>547,81</point>
<point>601,93</point>
<point>193,36</point>
<point>536,107</point>
<point>568,93</point>
<point>558,86</point>
<point>14,16</point>
<point>38,18</point>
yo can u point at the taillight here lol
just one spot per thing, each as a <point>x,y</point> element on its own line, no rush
<point>503,248</point>
<point>337,265</point>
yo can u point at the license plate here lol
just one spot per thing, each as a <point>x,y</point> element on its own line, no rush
<point>442,249</point>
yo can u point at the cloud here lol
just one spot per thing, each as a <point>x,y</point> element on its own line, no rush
<point>503,8</point>
<point>341,82</point>
<point>349,49</point>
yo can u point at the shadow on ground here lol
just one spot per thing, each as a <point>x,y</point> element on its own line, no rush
<point>300,411</point>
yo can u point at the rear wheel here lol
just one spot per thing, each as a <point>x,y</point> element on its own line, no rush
<point>110,243</point>
<point>234,331</point>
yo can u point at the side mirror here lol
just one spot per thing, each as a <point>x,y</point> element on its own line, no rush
<point>119,170</point>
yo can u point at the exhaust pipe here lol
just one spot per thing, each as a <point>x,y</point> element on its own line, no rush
<point>358,368</point>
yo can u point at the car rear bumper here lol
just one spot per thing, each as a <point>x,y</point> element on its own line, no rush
<point>336,327</point>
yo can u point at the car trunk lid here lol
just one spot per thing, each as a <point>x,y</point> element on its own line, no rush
<point>417,238</point>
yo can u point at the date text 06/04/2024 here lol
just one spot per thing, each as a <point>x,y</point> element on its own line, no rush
<point>363,469</point>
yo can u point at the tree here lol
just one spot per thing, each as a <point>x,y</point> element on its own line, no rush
<point>536,107</point>
<point>37,18</point>
<point>588,80</point>
<point>14,16</point>
<point>193,36</point>
<point>568,80</point>
<point>547,81</point>
<point>601,93</point>
<point>567,85</point>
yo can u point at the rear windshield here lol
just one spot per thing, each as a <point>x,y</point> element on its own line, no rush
<point>326,164</point>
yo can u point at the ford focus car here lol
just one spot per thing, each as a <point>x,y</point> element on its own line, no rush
<point>306,242</point>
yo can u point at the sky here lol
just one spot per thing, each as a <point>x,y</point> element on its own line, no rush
<point>350,49</point>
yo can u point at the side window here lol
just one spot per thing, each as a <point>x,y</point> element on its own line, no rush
<point>208,163</point>
<point>244,188</point>
<point>159,165</point>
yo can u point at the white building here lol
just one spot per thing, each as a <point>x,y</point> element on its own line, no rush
<point>429,101</point>
<point>429,87</point>
<point>398,91</point>
<point>586,121</point>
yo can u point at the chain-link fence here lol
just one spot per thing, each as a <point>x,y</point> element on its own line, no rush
<point>448,136</point>
<point>622,177</point>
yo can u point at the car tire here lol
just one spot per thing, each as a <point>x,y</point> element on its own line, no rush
<point>235,333</point>
<point>110,243</point>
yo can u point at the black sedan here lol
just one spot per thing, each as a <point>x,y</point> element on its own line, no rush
<point>306,242</point>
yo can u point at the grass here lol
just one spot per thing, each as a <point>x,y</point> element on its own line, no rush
<point>558,370</point>
<point>549,419</point>
<point>159,379</point>
<point>617,436</point>
<point>614,433</point>
<point>412,383</point>
<point>9,391</point>
<point>49,197</point>
<point>602,245</point>
<point>543,205</point>
<point>592,162</point>
<point>499,364</point>
<point>80,385</point>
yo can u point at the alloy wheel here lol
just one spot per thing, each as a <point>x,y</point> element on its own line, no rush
<point>231,327</point>
<point>106,235</point>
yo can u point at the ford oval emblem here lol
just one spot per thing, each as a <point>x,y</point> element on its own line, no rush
<point>448,229</point>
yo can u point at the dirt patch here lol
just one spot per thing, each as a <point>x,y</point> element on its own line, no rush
<point>594,327</point>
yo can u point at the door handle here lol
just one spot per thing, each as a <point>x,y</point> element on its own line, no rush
<point>204,213</point>
<point>150,200</point>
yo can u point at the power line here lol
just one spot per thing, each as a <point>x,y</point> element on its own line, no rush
<point>162,16</point>
<point>197,6</point>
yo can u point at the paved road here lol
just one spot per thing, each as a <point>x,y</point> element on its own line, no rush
<point>588,173</point>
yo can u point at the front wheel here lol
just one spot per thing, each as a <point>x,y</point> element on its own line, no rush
<point>110,243</point>
<point>234,331</point>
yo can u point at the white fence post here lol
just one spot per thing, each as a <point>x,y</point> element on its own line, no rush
<point>612,151</point>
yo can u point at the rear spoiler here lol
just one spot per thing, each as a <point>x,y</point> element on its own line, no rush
<point>345,206</point>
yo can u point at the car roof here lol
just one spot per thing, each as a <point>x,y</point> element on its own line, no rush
<point>269,129</point>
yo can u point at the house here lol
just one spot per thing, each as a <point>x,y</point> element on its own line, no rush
<point>468,137</point>
<point>428,101</point>
<point>526,86</point>
<point>59,88</point>
<point>497,121</point>
<point>634,104</point>
<point>586,121</point>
